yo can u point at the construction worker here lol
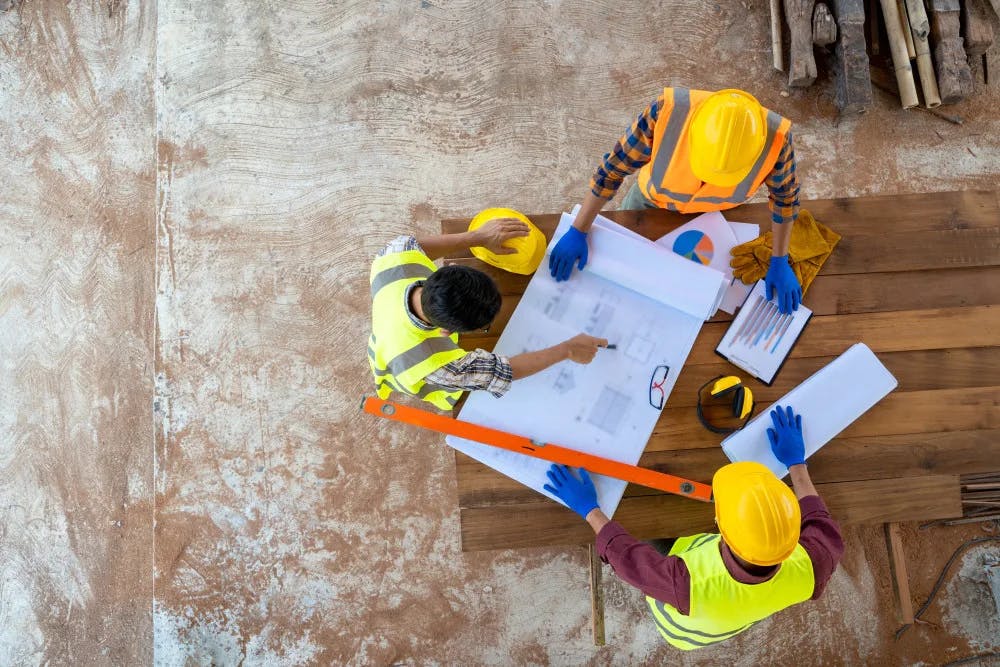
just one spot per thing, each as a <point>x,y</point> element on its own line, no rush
<point>418,310</point>
<point>773,552</point>
<point>698,151</point>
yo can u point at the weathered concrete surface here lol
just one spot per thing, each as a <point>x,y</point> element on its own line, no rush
<point>273,147</point>
<point>76,333</point>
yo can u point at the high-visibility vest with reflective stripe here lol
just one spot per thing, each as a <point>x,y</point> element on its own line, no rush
<point>400,353</point>
<point>667,179</point>
<point>722,607</point>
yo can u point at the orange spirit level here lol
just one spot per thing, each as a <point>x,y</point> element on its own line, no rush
<point>539,450</point>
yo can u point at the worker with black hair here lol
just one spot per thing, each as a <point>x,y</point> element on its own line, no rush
<point>418,310</point>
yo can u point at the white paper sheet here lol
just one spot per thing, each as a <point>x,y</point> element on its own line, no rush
<point>829,401</point>
<point>737,292</point>
<point>603,408</point>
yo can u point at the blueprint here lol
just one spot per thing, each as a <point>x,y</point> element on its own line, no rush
<point>647,301</point>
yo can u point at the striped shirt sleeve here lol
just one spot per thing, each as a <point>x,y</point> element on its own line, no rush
<point>633,150</point>
<point>478,369</point>
<point>783,186</point>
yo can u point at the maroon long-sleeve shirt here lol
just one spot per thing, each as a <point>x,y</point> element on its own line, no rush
<point>666,578</point>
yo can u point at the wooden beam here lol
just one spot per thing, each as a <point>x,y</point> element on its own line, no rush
<point>596,596</point>
<point>824,26</point>
<point>546,523</point>
<point>977,28</point>
<point>777,48</point>
<point>852,84</point>
<point>801,61</point>
<point>897,568</point>
<point>954,78</point>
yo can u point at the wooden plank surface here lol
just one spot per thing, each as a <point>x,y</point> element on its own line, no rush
<point>843,459</point>
<point>647,517</point>
<point>850,217</point>
<point>916,277</point>
<point>898,413</point>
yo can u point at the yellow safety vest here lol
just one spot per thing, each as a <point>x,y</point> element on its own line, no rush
<point>400,353</point>
<point>667,179</point>
<point>722,607</point>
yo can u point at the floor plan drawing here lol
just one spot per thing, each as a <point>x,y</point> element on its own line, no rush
<point>609,410</point>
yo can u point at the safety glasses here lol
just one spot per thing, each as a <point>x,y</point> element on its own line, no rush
<point>657,396</point>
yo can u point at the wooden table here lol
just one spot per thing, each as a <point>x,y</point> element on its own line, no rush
<point>916,278</point>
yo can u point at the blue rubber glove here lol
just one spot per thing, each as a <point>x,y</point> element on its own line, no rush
<point>579,494</point>
<point>570,248</point>
<point>786,437</point>
<point>781,280</point>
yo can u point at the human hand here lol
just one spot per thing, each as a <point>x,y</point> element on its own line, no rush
<point>493,234</point>
<point>786,437</point>
<point>579,494</point>
<point>570,248</point>
<point>781,281</point>
<point>583,348</point>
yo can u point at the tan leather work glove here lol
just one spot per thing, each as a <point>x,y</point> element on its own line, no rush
<point>750,260</point>
<point>808,248</point>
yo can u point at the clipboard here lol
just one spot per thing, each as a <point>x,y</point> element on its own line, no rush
<point>760,337</point>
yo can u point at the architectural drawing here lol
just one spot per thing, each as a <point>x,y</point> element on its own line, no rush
<point>609,410</point>
<point>648,301</point>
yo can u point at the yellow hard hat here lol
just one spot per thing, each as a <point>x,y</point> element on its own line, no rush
<point>530,249</point>
<point>758,515</point>
<point>726,136</point>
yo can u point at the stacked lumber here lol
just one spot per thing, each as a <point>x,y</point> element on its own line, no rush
<point>981,495</point>
<point>933,47</point>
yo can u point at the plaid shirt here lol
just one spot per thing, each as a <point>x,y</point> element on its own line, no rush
<point>635,149</point>
<point>478,369</point>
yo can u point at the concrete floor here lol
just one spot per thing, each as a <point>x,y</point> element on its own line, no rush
<point>192,195</point>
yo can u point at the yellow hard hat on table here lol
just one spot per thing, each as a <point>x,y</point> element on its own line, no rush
<point>758,515</point>
<point>726,136</point>
<point>529,249</point>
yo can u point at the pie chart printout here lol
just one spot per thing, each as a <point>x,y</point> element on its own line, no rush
<point>696,246</point>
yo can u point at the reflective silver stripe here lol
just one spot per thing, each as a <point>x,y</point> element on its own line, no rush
<point>700,541</point>
<point>422,393</point>
<point>680,628</point>
<point>671,135</point>
<point>394,273</point>
<point>743,188</point>
<point>419,353</point>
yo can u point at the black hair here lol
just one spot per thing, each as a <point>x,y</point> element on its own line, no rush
<point>460,298</point>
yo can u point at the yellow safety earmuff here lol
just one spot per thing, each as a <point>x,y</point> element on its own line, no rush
<point>742,404</point>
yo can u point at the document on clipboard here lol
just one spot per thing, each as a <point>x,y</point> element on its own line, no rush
<point>761,337</point>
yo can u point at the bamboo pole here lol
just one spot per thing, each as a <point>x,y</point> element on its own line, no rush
<point>904,25</point>
<point>925,66</point>
<point>777,54</point>
<point>900,61</point>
